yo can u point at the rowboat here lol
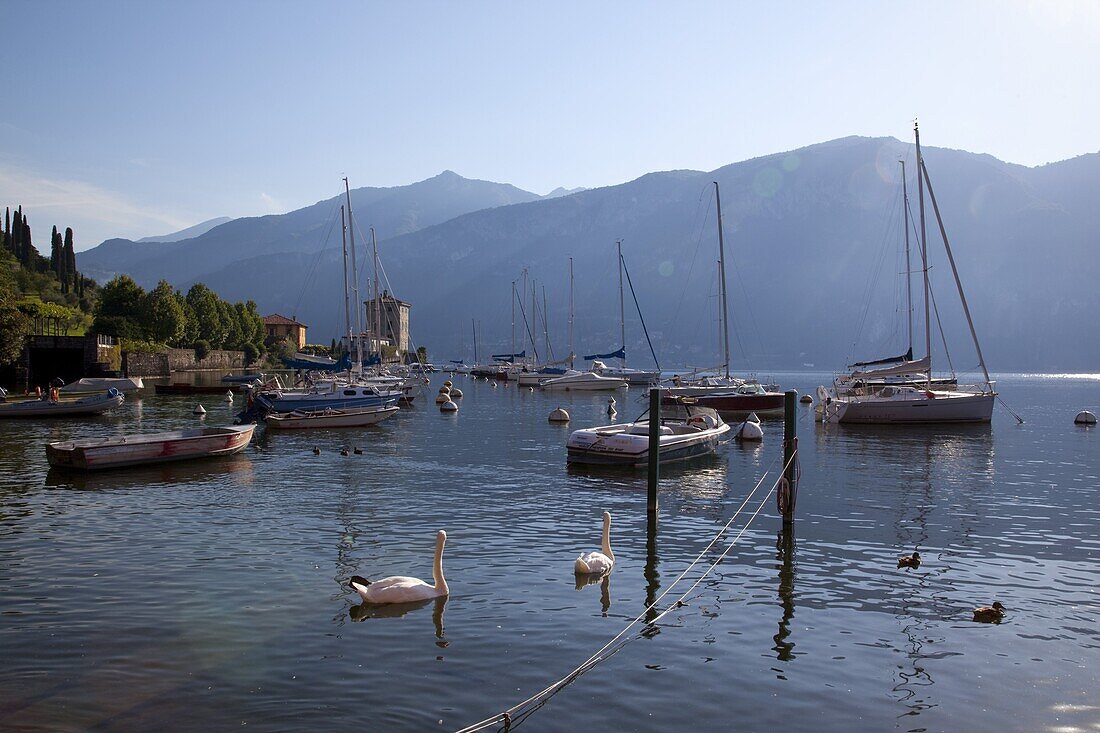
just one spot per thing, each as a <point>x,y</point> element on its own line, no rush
<point>93,405</point>
<point>92,454</point>
<point>330,418</point>
<point>695,433</point>
<point>90,385</point>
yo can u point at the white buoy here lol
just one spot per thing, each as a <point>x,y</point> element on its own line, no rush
<point>1084,417</point>
<point>530,389</point>
<point>559,415</point>
<point>806,399</point>
<point>229,395</point>
<point>448,383</point>
<point>442,397</point>
<point>456,393</point>
<point>750,431</point>
<point>444,390</point>
<point>753,418</point>
<point>448,406</point>
<point>199,410</point>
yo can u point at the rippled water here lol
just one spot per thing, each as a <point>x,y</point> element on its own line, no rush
<point>213,595</point>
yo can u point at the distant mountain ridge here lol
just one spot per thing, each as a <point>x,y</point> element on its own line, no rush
<point>189,232</point>
<point>814,253</point>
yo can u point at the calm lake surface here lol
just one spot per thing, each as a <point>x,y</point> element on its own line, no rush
<point>213,595</point>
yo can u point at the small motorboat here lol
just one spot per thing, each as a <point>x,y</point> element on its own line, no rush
<point>91,385</point>
<point>92,454</point>
<point>574,381</point>
<point>687,432</point>
<point>330,418</point>
<point>92,405</point>
<point>243,378</point>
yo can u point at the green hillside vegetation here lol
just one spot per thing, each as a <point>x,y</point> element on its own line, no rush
<point>165,317</point>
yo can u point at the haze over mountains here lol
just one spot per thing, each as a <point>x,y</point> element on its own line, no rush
<point>815,254</point>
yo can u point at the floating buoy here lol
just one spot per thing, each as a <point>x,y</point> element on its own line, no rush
<point>806,399</point>
<point>448,383</point>
<point>559,415</point>
<point>456,393</point>
<point>750,432</point>
<point>199,410</point>
<point>1084,417</point>
<point>448,406</point>
<point>229,395</point>
<point>442,397</point>
<point>753,418</point>
<point>530,389</point>
<point>444,390</point>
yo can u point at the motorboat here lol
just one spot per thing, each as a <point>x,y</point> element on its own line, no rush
<point>96,404</point>
<point>92,454</point>
<point>690,432</point>
<point>244,378</point>
<point>330,418</point>
<point>732,403</point>
<point>91,385</point>
<point>575,381</point>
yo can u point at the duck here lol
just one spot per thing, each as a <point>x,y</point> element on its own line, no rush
<point>357,451</point>
<point>598,562</point>
<point>316,451</point>
<point>344,451</point>
<point>402,588</point>
<point>909,561</point>
<point>990,614</point>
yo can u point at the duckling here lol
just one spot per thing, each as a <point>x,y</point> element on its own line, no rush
<point>357,451</point>
<point>316,451</point>
<point>990,614</point>
<point>344,451</point>
<point>909,561</point>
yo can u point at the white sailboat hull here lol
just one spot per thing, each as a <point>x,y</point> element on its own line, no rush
<point>582,382</point>
<point>917,408</point>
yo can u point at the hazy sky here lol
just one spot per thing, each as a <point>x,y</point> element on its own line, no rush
<point>134,119</point>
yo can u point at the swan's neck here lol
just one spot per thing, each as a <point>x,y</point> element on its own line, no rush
<point>607,540</point>
<point>437,567</point>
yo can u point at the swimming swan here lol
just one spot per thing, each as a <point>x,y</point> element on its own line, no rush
<point>401,588</point>
<point>597,562</point>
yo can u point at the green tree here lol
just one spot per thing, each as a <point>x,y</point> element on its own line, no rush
<point>119,309</point>
<point>206,304</point>
<point>69,255</point>
<point>14,326</point>
<point>190,323</point>
<point>165,320</point>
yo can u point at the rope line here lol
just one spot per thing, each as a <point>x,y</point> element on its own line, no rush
<point>618,642</point>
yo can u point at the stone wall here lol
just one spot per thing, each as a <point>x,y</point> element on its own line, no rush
<point>162,364</point>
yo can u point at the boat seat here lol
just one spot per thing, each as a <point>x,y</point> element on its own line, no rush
<point>643,429</point>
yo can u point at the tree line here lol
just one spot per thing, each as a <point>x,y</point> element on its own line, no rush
<point>18,241</point>
<point>200,319</point>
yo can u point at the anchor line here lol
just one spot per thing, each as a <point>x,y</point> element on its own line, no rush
<point>617,642</point>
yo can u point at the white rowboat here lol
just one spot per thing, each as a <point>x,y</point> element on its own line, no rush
<point>92,405</point>
<point>330,418</point>
<point>91,385</point>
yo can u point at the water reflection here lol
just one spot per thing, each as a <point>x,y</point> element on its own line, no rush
<point>199,472</point>
<point>365,611</point>
<point>785,546</point>
<point>604,581</point>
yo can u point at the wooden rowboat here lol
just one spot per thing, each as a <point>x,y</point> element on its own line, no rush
<point>135,450</point>
<point>330,418</point>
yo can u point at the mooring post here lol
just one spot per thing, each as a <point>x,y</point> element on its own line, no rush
<point>790,445</point>
<point>654,450</point>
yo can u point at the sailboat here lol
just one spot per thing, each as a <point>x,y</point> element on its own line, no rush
<point>632,376</point>
<point>731,397</point>
<point>906,403</point>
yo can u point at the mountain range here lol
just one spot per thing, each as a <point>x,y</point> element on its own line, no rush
<point>815,260</point>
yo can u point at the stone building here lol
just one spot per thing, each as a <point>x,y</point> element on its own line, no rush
<point>279,327</point>
<point>393,316</point>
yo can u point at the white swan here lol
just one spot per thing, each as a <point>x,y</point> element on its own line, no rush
<point>597,562</point>
<point>401,588</point>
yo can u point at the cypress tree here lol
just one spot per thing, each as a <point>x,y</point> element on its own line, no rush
<point>17,237</point>
<point>28,246</point>
<point>7,228</point>
<point>70,258</point>
<point>55,253</point>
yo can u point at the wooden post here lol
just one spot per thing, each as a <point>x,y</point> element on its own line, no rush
<point>790,400</point>
<point>654,449</point>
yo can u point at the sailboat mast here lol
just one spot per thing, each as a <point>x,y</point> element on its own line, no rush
<point>924,260</point>
<point>377,302</point>
<point>571,353</point>
<point>534,318</point>
<point>513,321</point>
<point>908,274</point>
<point>722,282</point>
<point>473,330</point>
<point>347,306</point>
<point>622,309</point>
<point>545,326</point>
<point>355,285</point>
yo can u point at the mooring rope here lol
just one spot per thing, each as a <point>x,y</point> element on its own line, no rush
<point>507,717</point>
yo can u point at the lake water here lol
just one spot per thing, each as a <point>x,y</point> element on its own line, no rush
<point>213,595</point>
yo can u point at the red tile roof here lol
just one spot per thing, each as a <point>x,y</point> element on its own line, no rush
<point>276,320</point>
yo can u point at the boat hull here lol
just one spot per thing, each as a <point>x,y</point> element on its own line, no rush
<point>92,385</point>
<point>330,418</point>
<point>96,405</point>
<point>964,408</point>
<point>141,450</point>
<point>590,448</point>
<point>584,382</point>
<point>733,405</point>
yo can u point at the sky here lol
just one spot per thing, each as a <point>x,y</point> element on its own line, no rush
<point>132,119</point>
